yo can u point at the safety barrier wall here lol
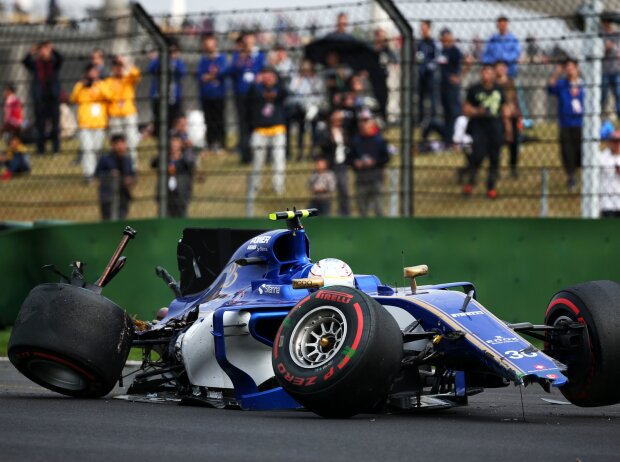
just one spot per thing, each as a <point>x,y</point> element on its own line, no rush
<point>516,264</point>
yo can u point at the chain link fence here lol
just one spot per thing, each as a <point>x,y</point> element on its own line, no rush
<point>215,175</point>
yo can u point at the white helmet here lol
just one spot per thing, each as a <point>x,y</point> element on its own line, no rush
<point>334,272</point>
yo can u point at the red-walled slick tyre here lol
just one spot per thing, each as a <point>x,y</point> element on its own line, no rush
<point>337,352</point>
<point>71,340</point>
<point>593,359</point>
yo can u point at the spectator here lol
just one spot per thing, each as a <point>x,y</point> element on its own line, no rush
<point>116,179</point>
<point>14,160</point>
<point>336,76</point>
<point>451,74</point>
<point>283,64</point>
<point>13,112</point>
<point>334,142</point>
<point>485,106</point>
<point>179,130</point>
<point>569,92</point>
<point>180,179</point>
<point>268,121</point>
<point>97,59</point>
<point>503,46</point>
<point>122,109</point>
<point>212,85</point>
<point>307,97</point>
<point>245,66</point>
<point>354,102</point>
<point>386,58</point>
<point>44,63</point>
<point>322,184</point>
<point>91,96</point>
<point>342,23</point>
<point>611,65</point>
<point>177,72</point>
<point>609,182</point>
<point>368,155</point>
<point>426,56</point>
<point>513,109</point>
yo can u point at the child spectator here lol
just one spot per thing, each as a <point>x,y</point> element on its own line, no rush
<point>322,184</point>
<point>13,116</point>
<point>180,171</point>
<point>368,155</point>
<point>91,96</point>
<point>122,108</point>
<point>14,160</point>
<point>116,179</point>
<point>179,130</point>
<point>97,59</point>
<point>609,183</point>
<point>569,92</point>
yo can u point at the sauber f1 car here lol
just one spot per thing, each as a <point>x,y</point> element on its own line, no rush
<point>266,328</point>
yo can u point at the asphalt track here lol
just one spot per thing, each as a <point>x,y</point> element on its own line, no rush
<point>37,425</point>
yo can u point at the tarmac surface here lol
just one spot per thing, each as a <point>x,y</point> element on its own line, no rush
<point>38,425</point>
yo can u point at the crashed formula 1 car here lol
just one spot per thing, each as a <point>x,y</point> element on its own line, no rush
<point>263,327</point>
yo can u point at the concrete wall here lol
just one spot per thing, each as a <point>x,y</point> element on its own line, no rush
<point>516,265</point>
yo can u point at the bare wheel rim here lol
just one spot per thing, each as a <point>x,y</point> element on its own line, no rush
<point>57,375</point>
<point>318,337</point>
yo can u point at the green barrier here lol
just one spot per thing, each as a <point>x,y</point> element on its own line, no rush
<point>516,265</point>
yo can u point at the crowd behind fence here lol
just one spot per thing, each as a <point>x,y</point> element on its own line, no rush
<point>266,109</point>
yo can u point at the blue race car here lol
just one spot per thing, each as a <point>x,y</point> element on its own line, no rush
<point>266,328</point>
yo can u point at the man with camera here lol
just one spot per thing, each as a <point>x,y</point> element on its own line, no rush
<point>92,97</point>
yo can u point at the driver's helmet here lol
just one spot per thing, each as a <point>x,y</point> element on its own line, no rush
<point>334,272</point>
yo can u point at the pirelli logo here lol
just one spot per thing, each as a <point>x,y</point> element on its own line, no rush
<point>334,296</point>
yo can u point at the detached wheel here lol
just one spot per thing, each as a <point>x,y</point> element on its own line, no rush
<point>337,352</point>
<point>593,359</point>
<point>71,340</point>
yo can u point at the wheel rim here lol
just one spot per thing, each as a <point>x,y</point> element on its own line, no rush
<point>318,337</point>
<point>56,374</point>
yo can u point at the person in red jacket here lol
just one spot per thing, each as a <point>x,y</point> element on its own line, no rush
<point>13,113</point>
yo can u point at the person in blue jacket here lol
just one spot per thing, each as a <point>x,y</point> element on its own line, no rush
<point>212,88</point>
<point>503,46</point>
<point>244,67</point>
<point>569,91</point>
<point>175,94</point>
<point>426,56</point>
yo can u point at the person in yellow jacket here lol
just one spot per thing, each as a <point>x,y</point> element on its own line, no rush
<point>92,98</point>
<point>122,109</point>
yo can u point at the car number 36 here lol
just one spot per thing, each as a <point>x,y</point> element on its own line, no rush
<point>512,354</point>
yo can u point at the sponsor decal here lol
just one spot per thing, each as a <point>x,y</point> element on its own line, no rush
<point>552,376</point>
<point>499,340</point>
<point>334,296</point>
<point>260,240</point>
<point>269,289</point>
<point>299,381</point>
<point>539,367</point>
<point>252,247</point>
<point>467,313</point>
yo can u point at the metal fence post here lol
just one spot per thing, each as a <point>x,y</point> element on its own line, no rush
<point>591,71</point>
<point>544,192</point>
<point>406,101</point>
<point>145,20</point>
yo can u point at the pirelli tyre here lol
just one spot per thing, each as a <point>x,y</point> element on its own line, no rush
<point>337,352</point>
<point>593,358</point>
<point>71,340</point>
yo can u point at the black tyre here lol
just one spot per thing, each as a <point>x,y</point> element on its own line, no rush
<point>337,352</point>
<point>593,359</point>
<point>71,340</point>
